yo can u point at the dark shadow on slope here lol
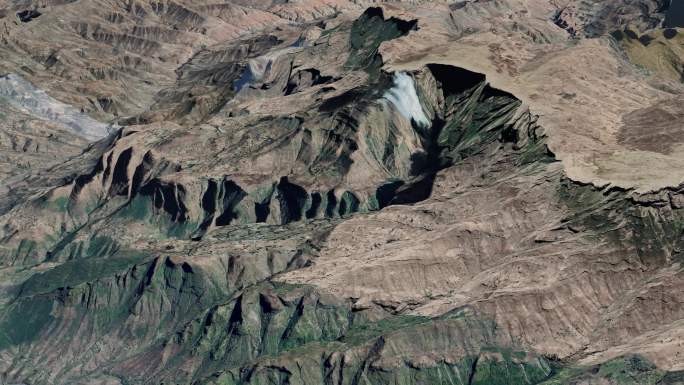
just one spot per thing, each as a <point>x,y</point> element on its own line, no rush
<point>368,32</point>
<point>674,18</point>
<point>28,15</point>
<point>472,117</point>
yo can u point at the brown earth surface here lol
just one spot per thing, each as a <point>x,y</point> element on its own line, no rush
<point>340,192</point>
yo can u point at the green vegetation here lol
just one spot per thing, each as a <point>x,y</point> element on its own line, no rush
<point>627,370</point>
<point>34,309</point>
<point>22,322</point>
<point>141,209</point>
<point>502,366</point>
<point>60,204</point>
<point>26,249</point>
<point>362,332</point>
<point>367,33</point>
<point>101,245</point>
<point>476,118</point>
<point>471,370</point>
<point>75,272</point>
<point>287,334</point>
<point>534,151</point>
<point>655,233</point>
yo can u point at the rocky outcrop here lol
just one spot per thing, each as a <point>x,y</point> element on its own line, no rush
<point>380,196</point>
<point>596,18</point>
<point>401,155</point>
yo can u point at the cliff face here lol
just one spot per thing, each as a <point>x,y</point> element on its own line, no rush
<point>332,193</point>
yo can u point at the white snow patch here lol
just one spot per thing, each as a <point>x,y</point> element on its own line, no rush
<point>259,68</point>
<point>404,97</point>
<point>24,96</point>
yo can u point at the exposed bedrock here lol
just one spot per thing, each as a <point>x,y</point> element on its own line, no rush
<point>106,47</point>
<point>289,212</point>
<point>376,153</point>
<point>303,337</point>
<point>137,214</point>
<point>368,32</point>
<point>109,300</point>
<point>272,65</point>
<point>132,250</point>
<point>556,264</point>
<point>596,18</point>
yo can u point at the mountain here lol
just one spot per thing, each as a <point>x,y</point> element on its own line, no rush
<point>341,192</point>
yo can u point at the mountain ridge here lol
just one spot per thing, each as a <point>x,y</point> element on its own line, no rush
<point>415,193</point>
